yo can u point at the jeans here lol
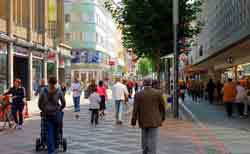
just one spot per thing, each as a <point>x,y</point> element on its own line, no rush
<point>149,140</point>
<point>94,116</point>
<point>240,107</point>
<point>17,108</point>
<point>52,128</point>
<point>77,103</point>
<point>229,108</point>
<point>118,109</point>
<point>245,109</point>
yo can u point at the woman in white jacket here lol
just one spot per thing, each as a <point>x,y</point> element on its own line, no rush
<point>241,98</point>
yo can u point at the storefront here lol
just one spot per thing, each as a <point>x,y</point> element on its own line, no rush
<point>51,64</point>
<point>3,67</point>
<point>88,65</point>
<point>21,65</point>
<point>37,69</point>
<point>65,64</point>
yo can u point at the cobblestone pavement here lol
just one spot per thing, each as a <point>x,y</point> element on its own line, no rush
<point>176,137</point>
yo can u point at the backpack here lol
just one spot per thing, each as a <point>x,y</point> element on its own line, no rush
<point>51,106</point>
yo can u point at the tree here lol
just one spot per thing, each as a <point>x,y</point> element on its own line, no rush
<point>147,25</point>
<point>145,66</point>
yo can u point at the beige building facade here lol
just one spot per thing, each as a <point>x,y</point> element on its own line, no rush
<point>32,43</point>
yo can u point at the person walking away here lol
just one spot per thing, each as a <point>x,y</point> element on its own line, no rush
<point>49,104</point>
<point>229,94</point>
<point>94,106</point>
<point>18,95</point>
<point>90,88</point>
<point>130,86</point>
<point>136,86</point>
<point>210,90</point>
<point>241,98</point>
<point>149,111</point>
<point>201,90</point>
<point>119,93</point>
<point>247,88</point>
<point>182,90</point>
<point>102,91</point>
<point>42,85</point>
<point>219,87</point>
<point>192,88</point>
<point>76,88</point>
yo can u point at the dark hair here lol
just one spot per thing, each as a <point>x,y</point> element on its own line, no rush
<point>147,82</point>
<point>230,80</point>
<point>155,84</point>
<point>52,80</point>
<point>101,83</point>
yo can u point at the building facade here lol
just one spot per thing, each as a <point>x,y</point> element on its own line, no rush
<point>32,42</point>
<point>91,31</point>
<point>224,43</point>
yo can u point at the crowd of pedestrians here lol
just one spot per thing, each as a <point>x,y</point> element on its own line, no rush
<point>148,108</point>
<point>234,94</point>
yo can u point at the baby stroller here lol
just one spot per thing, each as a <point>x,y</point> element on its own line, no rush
<point>41,143</point>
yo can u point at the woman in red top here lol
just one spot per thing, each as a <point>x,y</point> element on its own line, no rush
<point>101,90</point>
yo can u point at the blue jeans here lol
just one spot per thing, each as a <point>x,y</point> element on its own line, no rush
<point>77,103</point>
<point>118,109</point>
<point>17,108</point>
<point>52,128</point>
<point>149,140</point>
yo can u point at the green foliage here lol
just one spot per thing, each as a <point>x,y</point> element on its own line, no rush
<point>147,25</point>
<point>145,66</point>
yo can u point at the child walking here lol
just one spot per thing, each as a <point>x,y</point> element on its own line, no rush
<point>94,106</point>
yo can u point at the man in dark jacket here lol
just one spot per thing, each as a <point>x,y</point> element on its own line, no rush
<point>210,90</point>
<point>18,94</point>
<point>149,110</point>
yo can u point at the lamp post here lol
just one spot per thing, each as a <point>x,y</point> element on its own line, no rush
<point>176,57</point>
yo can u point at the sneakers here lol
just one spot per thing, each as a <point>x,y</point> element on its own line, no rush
<point>119,122</point>
<point>18,127</point>
<point>77,116</point>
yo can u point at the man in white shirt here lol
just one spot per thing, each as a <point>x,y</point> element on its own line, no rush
<point>119,92</point>
<point>76,89</point>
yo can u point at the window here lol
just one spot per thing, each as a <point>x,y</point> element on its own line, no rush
<point>67,36</point>
<point>3,67</point>
<point>67,18</point>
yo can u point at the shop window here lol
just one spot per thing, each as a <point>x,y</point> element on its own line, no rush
<point>68,36</point>
<point>3,68</point>
<point>37,73</point>
<point>67,18</point>
<point>51,70</point>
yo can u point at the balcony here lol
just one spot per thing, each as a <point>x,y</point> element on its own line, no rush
<point>3,25</point>
<point>36,37</point>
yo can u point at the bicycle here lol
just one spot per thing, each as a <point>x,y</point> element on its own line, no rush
<point>5,112</point>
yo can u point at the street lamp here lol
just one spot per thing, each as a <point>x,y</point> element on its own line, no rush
<point>176,59</point>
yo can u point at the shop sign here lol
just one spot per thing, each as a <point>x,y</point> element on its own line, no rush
<point>87,57</point>
<point>61,62</point>
<point>21,50</point>
<point>51,56</point>
<point>111,62</point>
<point>37,54</point>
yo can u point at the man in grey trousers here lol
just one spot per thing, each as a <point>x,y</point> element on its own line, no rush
<point>149,110</point>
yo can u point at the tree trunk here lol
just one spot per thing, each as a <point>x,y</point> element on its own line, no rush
<point>158,61</point>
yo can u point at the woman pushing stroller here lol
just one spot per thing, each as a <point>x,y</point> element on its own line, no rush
<point>52,111</point>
